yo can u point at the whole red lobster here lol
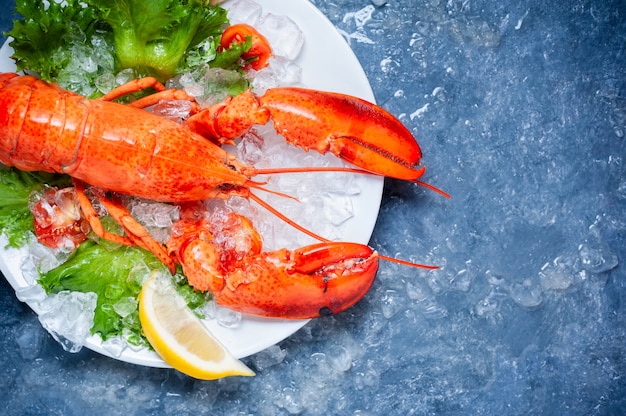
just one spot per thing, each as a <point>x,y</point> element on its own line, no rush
<point>122,149</point>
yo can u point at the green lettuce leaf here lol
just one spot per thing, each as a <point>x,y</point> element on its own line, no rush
<point>115,274</point>
<point>44,32</point>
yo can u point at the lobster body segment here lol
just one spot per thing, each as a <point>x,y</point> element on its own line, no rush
<point>109,145</point>
<point>110,148</point>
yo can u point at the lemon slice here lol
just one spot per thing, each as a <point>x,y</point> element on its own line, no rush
<point>179,336</point>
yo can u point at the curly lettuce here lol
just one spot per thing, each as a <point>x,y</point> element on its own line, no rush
<point>153,37</point>
<point>84,45</point>
<point>46,30</point>
<point>115,274</point>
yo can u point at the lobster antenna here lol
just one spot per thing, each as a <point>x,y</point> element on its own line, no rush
<point>408,263</point>
<point>310,233</point>
<point>432,188</point>
<point>260,187</point>
<point>286,219</point>
<point>272,171</point>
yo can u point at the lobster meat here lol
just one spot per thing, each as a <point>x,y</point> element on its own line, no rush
<point>110,149</point>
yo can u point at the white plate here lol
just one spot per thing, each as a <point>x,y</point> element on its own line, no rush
<point>327,63</point>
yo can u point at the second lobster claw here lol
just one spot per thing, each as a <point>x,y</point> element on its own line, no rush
<point>353,129</point>
<point>316,280</point>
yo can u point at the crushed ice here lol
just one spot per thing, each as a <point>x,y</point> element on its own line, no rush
<point>29,338</point>
<point>244,11</point>
<point>68,317</point>
<point>283,34</point>
<point>357,22</point>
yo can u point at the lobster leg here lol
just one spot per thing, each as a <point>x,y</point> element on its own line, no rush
<point>136,233</point>
<point>316,280</point>
<point>149,100</point>
<point>133,86</point>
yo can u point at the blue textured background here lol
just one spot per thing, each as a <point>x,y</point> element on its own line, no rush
<point>520,109</point>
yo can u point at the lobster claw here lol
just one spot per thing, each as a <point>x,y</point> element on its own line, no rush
<point>315,280</point>
<point>337,274</point>
<point>283,284</point>
<point>353,129</point>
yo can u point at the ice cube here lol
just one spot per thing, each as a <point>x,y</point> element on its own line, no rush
<point>391,303</point>
<point>138,274</point>
<point>527,293</point>
<point>210,85</point>
<point>125,306</point>
<point>153,214</point>
<point>105,82</point>
<point>68,316</point>
<point>88,65</point>
<point>339,359</point>
<point>559,274</point>
<point>285,70</point>
<point>269,357</point>
<point>250,148</point>
<point>208,311</point>
<point>176,110</point>
<point>244,11</point>
<point>280,72</point>
<point>462,281</point>
<point>227,317</point>
<point>115,346</point>
<point>288,399</point>
<point>33,293</point>
<point>190,82</point>
<point>43,258</point>
<point>597,259</point>
<point>283,34</point>
<point>29,339</point>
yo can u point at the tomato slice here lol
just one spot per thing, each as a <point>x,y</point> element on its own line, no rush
<point>259,52</point>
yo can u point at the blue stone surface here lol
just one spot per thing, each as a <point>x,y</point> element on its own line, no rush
<point>520,110</point>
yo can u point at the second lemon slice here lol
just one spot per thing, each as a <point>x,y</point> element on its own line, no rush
<point>179,337</point>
